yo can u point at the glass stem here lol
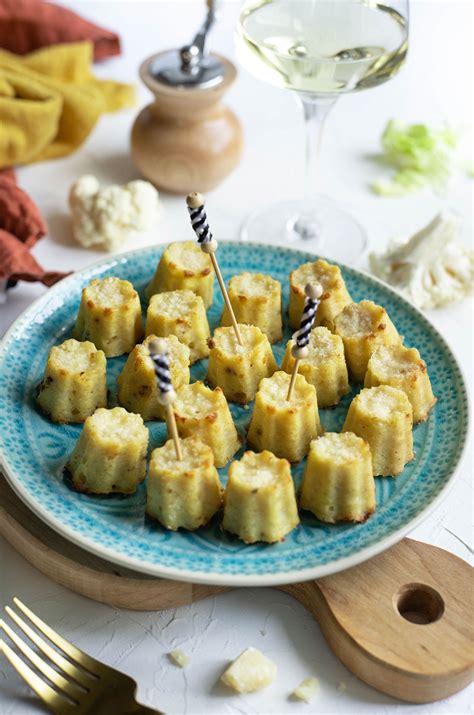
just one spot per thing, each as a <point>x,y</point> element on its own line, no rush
<point>315,111</point>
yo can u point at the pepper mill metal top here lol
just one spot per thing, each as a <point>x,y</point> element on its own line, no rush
<point>190,67</point>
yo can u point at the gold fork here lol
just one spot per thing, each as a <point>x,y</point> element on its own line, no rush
<point>82,685</point>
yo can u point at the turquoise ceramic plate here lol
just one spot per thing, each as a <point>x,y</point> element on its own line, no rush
<point>35,451</point>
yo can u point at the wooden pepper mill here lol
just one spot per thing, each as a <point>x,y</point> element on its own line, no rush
<point>187,137</point>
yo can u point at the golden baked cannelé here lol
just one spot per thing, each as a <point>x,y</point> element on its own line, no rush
<point>335,296</point>
<point>183,266</point>
<point>204,413</point>
<point>137,386</point>
<point>284,427</point>
<point>181,313</point>
<point>338,484</point>
<point>324,367</point>
<point>74,382</point>
<point>110,316</point>
<point>110,454</point>
<point>237,369</point>
<point>259,501</point>
<point>183,493</point>
<point>402,367</point>
<point>364,327</point>
<point>383,417</point>
<point>256,300</point>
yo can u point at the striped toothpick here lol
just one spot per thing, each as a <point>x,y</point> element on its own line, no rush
<point>197,213</point>
<point>299,350</point>
<point>166,395</point>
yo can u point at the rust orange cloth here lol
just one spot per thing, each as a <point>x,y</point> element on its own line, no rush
<point>19,215</point>
<point>17,263</point>
<point>21,226</point>
<point>27,25</point>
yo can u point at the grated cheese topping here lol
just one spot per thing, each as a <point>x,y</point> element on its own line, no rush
<point>195,453</point>
<point>175,303</point>
<point>359,319</point>
<point>258,470</point>
<point>389,361</point>
<point>254,284</point>
<point>382,401</point>
<point>73,355</point>
<point>188,256</point>
<point>116,425</point>
<point>323,346</point>
<point>225,340</point>
<point>177,351</point>
<point>339,448</point>
<point>274,389</point>
<point>197,400</point>
<point>109,292</point>
<point>319,271</point>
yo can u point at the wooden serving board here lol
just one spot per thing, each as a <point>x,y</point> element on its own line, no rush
<point>402,622</point>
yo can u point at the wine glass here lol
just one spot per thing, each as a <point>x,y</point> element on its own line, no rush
<point>319,49</point>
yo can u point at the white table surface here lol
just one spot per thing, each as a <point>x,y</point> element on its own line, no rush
<point>433,87</point>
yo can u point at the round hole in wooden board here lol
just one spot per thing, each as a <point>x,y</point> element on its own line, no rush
<point>419,603</point>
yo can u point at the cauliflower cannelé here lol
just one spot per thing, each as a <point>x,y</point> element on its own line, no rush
<point>324,367</point>
<point>338,484</point>
<point>110,316</point>
<point>181,313</point>
<point>402,367</point>
<point>137,388</point>
<point>256,300</point>
<point>183,493</point>
<point>110,454</point>
<point>260,501</point>
<point>363,328</point>
<point>74,382</point>
<point>238,369</point>
<point>183,266</point>
<point>204,413</point>
<point>335,296</point>
<point>383,417</point>
<point>284,427</point>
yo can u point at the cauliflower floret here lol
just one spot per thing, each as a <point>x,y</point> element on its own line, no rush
<point>432,268</point>
<point>106,216</point>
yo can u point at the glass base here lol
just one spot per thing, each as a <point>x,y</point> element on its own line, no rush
<point>319,224</point>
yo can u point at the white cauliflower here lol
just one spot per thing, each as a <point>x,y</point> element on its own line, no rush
<point>106,216</point>
<point>432,268</point>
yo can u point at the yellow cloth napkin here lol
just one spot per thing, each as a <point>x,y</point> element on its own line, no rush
<point>50,101</point>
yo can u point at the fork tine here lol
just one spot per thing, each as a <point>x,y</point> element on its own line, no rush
<point>73,690</point>
<point>44,691</point>
<point>78,675</point>
<point>93,665</point>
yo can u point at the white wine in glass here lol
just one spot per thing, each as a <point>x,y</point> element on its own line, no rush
<point>319,49</point>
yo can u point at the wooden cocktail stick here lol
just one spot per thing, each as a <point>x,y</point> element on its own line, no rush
<point>299,350</point>
<point>195,202</point>
<point>166,395</point>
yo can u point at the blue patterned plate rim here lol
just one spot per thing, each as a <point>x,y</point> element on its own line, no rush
<point>272,577</point>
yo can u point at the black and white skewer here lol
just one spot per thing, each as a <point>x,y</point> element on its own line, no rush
<point>208,243</point>
<point>299,350</point>
<point>166,395</point>
<point>199,222</point>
